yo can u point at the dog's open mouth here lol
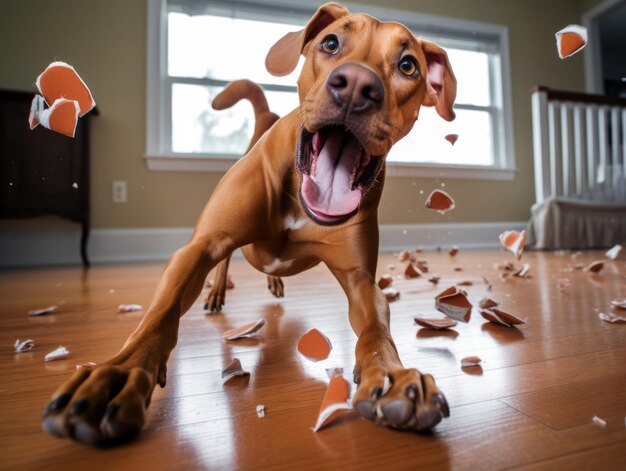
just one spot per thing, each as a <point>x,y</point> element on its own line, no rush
<point>336,173</point>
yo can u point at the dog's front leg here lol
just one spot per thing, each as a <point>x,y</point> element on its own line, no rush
<point>110,400</point>
<point>388,393</point>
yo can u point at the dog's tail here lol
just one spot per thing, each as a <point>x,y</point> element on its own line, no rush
<point>246,89</point>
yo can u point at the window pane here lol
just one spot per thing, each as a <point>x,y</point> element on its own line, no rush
<point>196,127</point>
<point>221,48</point>
<point>426,142</point>
<point>472,74</point>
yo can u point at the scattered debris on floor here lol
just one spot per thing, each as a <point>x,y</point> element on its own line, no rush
<point>412,271</point>
<point>385,281</point>
<point>619,303</point>
<point>598,421</point>
<point>335,402</point>
<point>391,294</point>
<point>43,311</point>
<point>233,369</point>
<point>612,318</point>
<point>594,267</point>
<point>129,307</point>
<point>244,331</point>
<point>614,252</point>
<point>487,303</point>
<point>497,316</point>
<point>453,303</point>
<point>470,361</point>
<point>514,241</point>
<point>437,324</point>
<point>260,411</point>
<point>314,345</point>
<point>453,251</point>
<point>25,346</point>
<point>57,354</point>
<point>451,138</point>
<point>88,365</point>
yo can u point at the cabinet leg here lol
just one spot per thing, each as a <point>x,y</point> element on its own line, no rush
<point>83,244</point>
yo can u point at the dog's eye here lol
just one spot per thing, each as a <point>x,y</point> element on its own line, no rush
<point>330,44</point>
<point>408,66</point>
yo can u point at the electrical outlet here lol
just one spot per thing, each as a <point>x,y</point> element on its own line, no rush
<point>119,191</point>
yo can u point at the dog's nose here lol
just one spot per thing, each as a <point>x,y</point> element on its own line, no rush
<point>356,86</point>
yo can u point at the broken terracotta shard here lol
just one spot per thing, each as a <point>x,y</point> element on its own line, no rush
<point>129,307</point>
<point>337,370</point>
<point>43,311</point>
<point>404,256</point>
<point>465,283</point>
<point>453,303</point>
<point>57,353</point>
<point>453,251</point>
<point>437,324</point>
<point>614,252</point>
<point>595,266</point>
<point>563,283</point>
<point>619,303</point>
<point>570,40</point>
<point>488,303</point>
<point>260,411</point>
<point>422,265</point>
<point>489,285</point>
<point>470,361</point>
<point>244,330</point>
<point>514,241</point>
<point>314,345</point>
<point>23,346</point>
<point>612,318</point>
<point>385,281</point>
<point>67,96</point>
<point>498,316</point>
<point>458,269</point>
<point>335,402</point>
<point>440,201</point>
<point>451,138</point>
<point>523,271</point>
<point>233,369</point>
<point>412,271</point>
<point>598,421</point>
<point>88,365</point>
<point>434,279</point>
<point>391,294</point>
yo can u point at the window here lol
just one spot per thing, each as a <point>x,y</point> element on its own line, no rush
<point>198,46</point>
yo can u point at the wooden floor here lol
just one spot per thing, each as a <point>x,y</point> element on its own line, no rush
<point>531,406</point>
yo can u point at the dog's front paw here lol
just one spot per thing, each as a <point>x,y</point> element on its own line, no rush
<point>105,404</point>
<point>216,299</point>
<point>402,398</point>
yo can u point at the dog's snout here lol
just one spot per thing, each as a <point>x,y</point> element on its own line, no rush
<point>355,86</point>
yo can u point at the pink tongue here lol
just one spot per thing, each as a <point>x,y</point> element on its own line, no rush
<point>329,191</point>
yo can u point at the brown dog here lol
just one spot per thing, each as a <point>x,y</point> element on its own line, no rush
<point>312,187</point>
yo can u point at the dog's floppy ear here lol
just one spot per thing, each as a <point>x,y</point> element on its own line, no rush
<point>284,55</point>
<point>440,80</point>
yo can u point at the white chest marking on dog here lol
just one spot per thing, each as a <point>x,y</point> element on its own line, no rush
<point>293,224</point>
<point>277,264</point>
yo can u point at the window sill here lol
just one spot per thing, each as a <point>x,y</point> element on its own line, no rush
<point>213,163</point>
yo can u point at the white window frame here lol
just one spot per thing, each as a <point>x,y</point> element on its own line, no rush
<point>158,97</point>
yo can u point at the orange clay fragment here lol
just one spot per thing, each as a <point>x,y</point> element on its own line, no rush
<point>595,266</point>
<point>422,265</point>
<point>488,303</point>
<point>434,279</point>
<point>87,366</point>
<point>523,271</point>
<point>465,283</point>
<point>451,138</point>
<point>243,331</point>
<point>570,40</point>
<point>385,281</point>
<point>470,361</point>
<point>453,303</point>
<point>314,345</point>
<point>404,256</point>
<point>440,201</point>
<point>60,80</point>
<point>335,402</point>
<point>391,294</point>
<point>412,271</point>
<point>619,303</point>
<point>437,324</point>
<point>453,251</point>
<point>500,317</point>
<point>612,318</point>
<point>489,285</point>
<point>233,369</point>
<point>514,241</point>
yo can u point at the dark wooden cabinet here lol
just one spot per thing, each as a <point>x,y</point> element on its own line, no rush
<point>42,172</point>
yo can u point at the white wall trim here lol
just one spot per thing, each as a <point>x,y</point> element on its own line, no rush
<point>593,54</point>
<point>37,248</point>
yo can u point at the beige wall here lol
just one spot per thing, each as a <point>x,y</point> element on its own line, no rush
<point>106,42</point>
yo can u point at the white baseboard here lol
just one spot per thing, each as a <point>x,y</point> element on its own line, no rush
<point>37,248</point>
